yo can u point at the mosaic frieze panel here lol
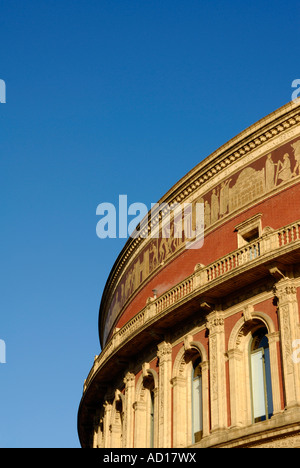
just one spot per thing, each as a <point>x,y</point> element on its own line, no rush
<point>257,180</point>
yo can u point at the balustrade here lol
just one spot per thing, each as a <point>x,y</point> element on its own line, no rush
<point>269,243</point>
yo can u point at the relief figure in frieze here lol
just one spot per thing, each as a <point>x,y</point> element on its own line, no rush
<point>224,197</point>
<point>270,173</point>
<point>296,149</point>
<point>215,207</point>
<point>284,171</point>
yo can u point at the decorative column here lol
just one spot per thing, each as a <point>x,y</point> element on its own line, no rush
<point>106,424</point>
<point>236,360</point>
<point>140,427</point>
<point>180,415</point>
<point>164,394</point>
<point>218,400</point>
<point>129,382</point>
<point>274,339</point>
<point>116,435</point>
<point>98,430</point>
<point>205,397</point>
<point>288,314</point>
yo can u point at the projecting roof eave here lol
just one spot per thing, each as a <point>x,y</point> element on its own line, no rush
<point>235,148</point>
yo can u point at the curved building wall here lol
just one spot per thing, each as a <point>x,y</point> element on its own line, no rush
<point>175,321</point>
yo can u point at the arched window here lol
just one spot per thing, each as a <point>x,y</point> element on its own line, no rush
<point>190,394</point>
<point>197,406</point>
<point>261,386</point>
<point>146,408</point>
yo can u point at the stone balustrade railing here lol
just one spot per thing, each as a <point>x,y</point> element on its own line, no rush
<point>259,250</point>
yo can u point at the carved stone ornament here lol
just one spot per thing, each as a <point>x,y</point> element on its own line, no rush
<point>129,379</point>
<point>285,291</point>
<point>215,324</point>
<point>187,342</point>
<point>164,351</point>
<point>247,312</point>
<point>145,368</point>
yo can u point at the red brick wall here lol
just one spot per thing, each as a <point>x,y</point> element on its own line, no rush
<point>277,211</point>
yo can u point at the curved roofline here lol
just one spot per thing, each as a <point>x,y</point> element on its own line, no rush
<point>206,164</point>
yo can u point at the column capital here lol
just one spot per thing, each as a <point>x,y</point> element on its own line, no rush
<point>234,353</point>
<point>164,351</point>
<point>139,405</point>
<point>285,290</point>
<point>215,325</point>
<point>178,380</point>
<point>215,322</point>
<point>164,394</point>
<point>129,379</point>
<point>204,366</point>
<point>107,406</point>
<point>274,337</point>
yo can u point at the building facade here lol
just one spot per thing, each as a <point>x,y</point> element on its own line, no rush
<point>200,345</point>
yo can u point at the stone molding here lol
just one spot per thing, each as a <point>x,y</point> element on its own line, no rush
<point>202,279</point>
<point>261,138</point>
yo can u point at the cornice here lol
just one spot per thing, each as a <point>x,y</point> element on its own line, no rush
<point>274,247</point>
<point>262,132</point>
<point>282,242</point>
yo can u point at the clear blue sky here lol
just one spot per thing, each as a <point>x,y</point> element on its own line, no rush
<point>107,97</point>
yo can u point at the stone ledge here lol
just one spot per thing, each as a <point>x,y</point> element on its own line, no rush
<point>282,426</point>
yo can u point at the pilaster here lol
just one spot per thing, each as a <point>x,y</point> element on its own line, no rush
<point>215,324</point>
<point>180,414</point>
<point>235,359</point>
<point>106,424</point>
<point>164,381</point>
<point>288,315</point>
<point>205,397</point>
<point>129,382</point>
<point>140,434</point>
<point>274,339</point>
<point>116,435</point>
